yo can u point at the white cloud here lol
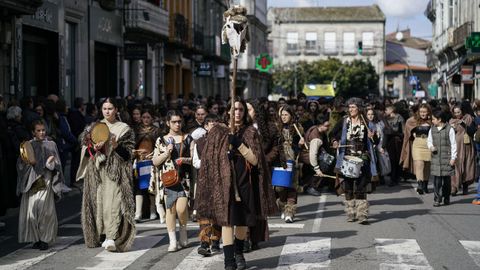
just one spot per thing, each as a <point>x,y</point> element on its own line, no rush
<point>403,8</point>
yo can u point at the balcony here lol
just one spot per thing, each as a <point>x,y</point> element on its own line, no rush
<point>198,37</point>
<point>311,50</point>
<point>292,49</point>
<point>145,20</point>
<point>430,11</point>
<point>22,7</point>
<point>180,32</point>
<point>461,33</point>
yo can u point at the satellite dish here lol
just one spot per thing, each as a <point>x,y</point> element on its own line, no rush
<point>399,36</point>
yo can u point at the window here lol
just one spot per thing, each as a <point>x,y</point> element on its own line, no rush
<point>367,41</point>
<point>311,41</point>
<point>349,43</point>
<point>330,42</point>
<point>292,42</point>
<point>450,13</point>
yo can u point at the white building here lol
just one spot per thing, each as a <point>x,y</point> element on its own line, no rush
<point>452,22</point>
<point>315,33</point>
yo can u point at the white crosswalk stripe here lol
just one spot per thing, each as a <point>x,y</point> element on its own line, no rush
<point>26,256</point>
<point>400,254</point>
<point>199,262</point>
<point>112,260</point>
<point>300,253</point>
<point>473,249</point>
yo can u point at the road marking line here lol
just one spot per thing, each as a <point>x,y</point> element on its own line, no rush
<point>199,262</point>
<point>67,219</point>
<point>300,253</point>
<point>401,254</point>
<point>318,219</point>
<point>163,226</point>
<point>473,248</point>
<point>114,260</point>
<point>26,257</point>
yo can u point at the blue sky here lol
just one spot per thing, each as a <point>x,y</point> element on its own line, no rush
<point>400,13</point>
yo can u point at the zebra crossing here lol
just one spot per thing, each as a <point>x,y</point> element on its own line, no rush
<point>297,253</point>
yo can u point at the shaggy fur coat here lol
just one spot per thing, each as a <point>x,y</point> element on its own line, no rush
<point>120,171</point>
<point>215,177</point>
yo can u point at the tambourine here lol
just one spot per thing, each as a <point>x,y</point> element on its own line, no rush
<point>146,145</point>
<point>100,133</point>
<point>26,152</point>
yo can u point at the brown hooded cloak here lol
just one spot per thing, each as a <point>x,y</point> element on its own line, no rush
<point>406,159</point>
<point>465,165</point>
<point>214,187</point>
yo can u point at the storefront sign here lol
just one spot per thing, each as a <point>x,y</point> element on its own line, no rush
<point>135,51</point>
<point>106,27</point>
<point>467,74</point>
<point>204,69</point>
<point>46,17</point>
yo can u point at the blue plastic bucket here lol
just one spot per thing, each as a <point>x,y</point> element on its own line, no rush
<point>144,173</point>
<point>283,177</point>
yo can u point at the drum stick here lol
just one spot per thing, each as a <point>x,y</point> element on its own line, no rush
<point>299,134</point>
<point>347,145</point>
<point>327,176</point>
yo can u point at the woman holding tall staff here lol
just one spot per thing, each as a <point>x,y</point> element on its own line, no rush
<point>234,185</point>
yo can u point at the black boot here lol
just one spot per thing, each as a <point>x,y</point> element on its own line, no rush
<point>239,258</point>
<point>229,254</point>
<point>215,247</point>
<point>425,187</point>
<point>420,187</point>
<point>464,189</point>
<point>204,249</point>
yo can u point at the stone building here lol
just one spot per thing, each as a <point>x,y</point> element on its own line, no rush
<point>315,33</point>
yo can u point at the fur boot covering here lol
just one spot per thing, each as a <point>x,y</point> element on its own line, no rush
<point>290,209</point>
<point>362,210</point>
<point>280,205</point>
<point>214,186</point>
<point>350,210</point>
<point>121,172</point>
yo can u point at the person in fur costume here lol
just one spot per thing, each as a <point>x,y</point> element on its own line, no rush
<point>106,167</point>
<point>248,195</point>
<point>38,184</point>
<point>356,132</point>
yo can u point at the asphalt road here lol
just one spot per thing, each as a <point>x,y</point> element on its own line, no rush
<point>405,232</point>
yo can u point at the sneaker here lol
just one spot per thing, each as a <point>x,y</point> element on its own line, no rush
<point>436,204</point>
<point>36,245</point>
<point>282,216</point>
<point>153,216</point>
<point>173,247</point>
<point>194,216</point>
<point>362,220</point>
<point>110,245</point>
<point>289,219</point>
<point>104,244</point>
<point>204,249</point>
<point>312,191</point>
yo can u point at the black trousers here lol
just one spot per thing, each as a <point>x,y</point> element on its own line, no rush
<point>442,187</point>
<point>356,188</point>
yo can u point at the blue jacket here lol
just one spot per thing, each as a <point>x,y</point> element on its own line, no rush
<point>370,148</point>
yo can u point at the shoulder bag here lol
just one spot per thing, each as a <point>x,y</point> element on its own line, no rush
<point>171,178</point>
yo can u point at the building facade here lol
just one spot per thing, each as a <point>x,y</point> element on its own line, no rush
<point>406,71</point>
<point>452,65</point>
<point>316,33</point>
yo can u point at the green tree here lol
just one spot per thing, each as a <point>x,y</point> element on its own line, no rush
<point>357,78</point>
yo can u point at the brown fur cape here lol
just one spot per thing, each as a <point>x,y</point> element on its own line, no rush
<point>214,182</point>
<point>121,172</point>
<point>406,159</point>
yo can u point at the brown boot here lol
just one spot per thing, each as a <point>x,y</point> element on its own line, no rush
<point>362,211</point>
<point>350,210</point>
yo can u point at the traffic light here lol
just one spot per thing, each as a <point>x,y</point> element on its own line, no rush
<point>360,47</point>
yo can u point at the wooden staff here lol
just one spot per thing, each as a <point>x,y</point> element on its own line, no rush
<point>299,134</point>
<point>232,96</point>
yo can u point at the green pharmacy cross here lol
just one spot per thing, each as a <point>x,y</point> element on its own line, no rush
<point>264,62</point>
<point>473,42</point>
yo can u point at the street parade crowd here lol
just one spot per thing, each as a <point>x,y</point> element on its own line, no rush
<point>228,169</point>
